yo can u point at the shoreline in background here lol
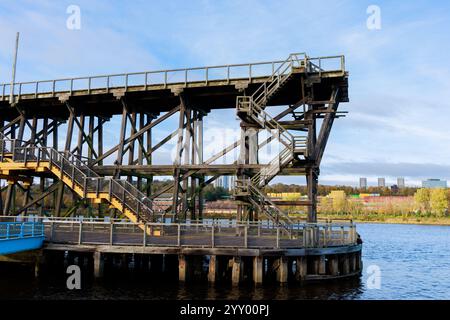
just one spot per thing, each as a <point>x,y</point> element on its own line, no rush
<point>432,221</point>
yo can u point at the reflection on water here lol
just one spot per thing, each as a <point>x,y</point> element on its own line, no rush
<point>28,288</point>
<point>413,260</point>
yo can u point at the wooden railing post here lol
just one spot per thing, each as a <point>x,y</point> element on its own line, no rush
<point>80,232</point>
<point>278,237</point>
<point>111,230</point>
<point>145,235</point>
<point>245,237</point>
<point>51,231</point>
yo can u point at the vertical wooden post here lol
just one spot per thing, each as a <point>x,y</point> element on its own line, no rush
<point>333,265</point>
<point>100,139</point>
<point>183,268</point>
<point>258,269</point>
<point>200,161</point>
<point>80,137</point>
<point>98,264</point>
<point>42,179</point>
<point>140,152</point>
<point>91,138</point>
<point>345,264</point>
<point>282,271</point>
<point>312,180</point>
<point>352,257</point>
<point>358,261</point>
<point>8,200</point>
<point>123,128</point>
<point>301,268</point>
<point>236,272</point>
<point>213,268</point>
<point>322,264</point>
<point>149,158</point>
<point>187,157</point>
<point>132,144</point>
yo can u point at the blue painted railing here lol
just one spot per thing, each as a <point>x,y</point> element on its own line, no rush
<point>20,236</point>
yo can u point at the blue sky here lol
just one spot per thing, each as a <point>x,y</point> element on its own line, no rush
<point>398,122</point>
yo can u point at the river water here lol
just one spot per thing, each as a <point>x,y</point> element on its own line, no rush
<point>412,262</point>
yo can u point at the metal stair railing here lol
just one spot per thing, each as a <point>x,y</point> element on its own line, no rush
<point>259,200</point>
<point>266,174</point>
<point>254,106</point>
<point>84,177</point>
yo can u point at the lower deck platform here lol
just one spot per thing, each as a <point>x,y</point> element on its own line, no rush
<point>221,250</point>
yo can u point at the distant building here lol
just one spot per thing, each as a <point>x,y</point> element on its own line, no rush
<point>434,183</point>
<point>363,183</point>
<point>232,182</point>
<point>219,182</point>
<point>226,182</point>
<point>400,183</point>
<point>381,182</point>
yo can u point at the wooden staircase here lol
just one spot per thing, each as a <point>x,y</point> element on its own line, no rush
<point>74,173</point>
<point>251,109</point>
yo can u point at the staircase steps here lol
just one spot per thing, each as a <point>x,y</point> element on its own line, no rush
<point>121,194</point>
<point>251,109</point>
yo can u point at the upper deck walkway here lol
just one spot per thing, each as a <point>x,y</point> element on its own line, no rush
<point>211,87</point>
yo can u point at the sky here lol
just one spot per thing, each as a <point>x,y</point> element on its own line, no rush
<point>399,84</point>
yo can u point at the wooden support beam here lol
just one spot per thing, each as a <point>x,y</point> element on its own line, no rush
<point>140,132</point>
<point>40,197</point>
<point>326,129</point>
<point>312,181</point>
<point>123,128</point>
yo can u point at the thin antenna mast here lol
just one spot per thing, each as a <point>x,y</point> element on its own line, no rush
<point>13,79</point>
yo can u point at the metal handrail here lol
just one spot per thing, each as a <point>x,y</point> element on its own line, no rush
<point>204,235</point>
<point>164,74</point>
<point>81,174</point>
<point>215,221</point>
<point>19,230</point>
<point>254,106</point>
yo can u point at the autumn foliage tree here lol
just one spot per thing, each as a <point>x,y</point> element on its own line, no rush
<point>422,200</point>
<point>438,202</point>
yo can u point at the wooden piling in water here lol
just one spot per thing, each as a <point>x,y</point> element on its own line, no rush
<point>237,270</point>
<point>258,270</point>
<point>282,271</point>
<point>213,269</point>
<point>98,264</point>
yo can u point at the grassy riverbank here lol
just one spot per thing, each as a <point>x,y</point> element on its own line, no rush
<point>361,218</point>
<point>443,221</point>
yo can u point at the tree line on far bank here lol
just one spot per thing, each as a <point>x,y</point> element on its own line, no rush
<point>424,203</point>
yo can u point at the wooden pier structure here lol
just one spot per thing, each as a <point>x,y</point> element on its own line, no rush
<point>52,135</point>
